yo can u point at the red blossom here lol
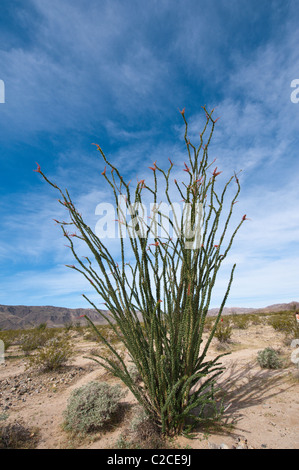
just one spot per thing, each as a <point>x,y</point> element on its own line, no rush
<point>104,172</point>
<point>98,147</point>
<point>38,170</point>
<point>186,168</point>
<point>141,183</point>
<point>182,112</point>
<point>216,173</point>
<point>154,167</point>
<point>154,244</point>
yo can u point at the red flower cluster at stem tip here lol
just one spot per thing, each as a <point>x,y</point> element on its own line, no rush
<point>141,183</point>
<point>154,167</point>
<point>216,173</point>
<point>182,112</point>
<point>98,147</point>
<point>38,170</point>
<point>104,172</point>
<point>186,168</point>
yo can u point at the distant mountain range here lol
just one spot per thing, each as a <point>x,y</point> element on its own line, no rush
<point>20,316</point>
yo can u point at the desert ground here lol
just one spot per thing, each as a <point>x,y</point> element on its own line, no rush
<point>261,405</point>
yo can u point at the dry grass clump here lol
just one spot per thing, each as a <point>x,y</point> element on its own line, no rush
<point>17,435</point>
<point>142,433</point>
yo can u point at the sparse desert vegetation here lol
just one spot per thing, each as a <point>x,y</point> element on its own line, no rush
<point>257,396</point>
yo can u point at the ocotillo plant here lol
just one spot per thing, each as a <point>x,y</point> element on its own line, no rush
<point>159,303</point>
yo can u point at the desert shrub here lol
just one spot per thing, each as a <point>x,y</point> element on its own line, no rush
<point>8,341</point>
<point>223,331</point>
<point>92,406</point>
<point>209,324</point>
<point>256,319</point>
<point>17,436</point>
<point>53,355</point>
<point>286,323</point>
<point>41,327</point>
<point>240,321</point>
<point>142,433</point>
<point>91,335</point>
<point>9,337</point>
<point>35,338</point>
<point>68,326</point>
<point>268,358</point>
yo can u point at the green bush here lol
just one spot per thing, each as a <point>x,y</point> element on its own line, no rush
<point>223,331</point>
<point>255,319</point>
<point>35,338</point>
<point>240,321</point>
<point>92,406</point>
<point>6,340</point>
<point>269,359</point>
<point>286,323</point>
<point>9,337</point>
<point>53,355</point>
<point>41,327</point>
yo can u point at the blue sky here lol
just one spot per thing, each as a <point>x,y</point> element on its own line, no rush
<point>116,73</point>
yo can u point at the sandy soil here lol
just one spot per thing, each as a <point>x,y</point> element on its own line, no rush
<point>262,405</point>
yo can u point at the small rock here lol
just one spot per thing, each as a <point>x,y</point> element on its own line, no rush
<point>223,446</point>
<point>211,445</point>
